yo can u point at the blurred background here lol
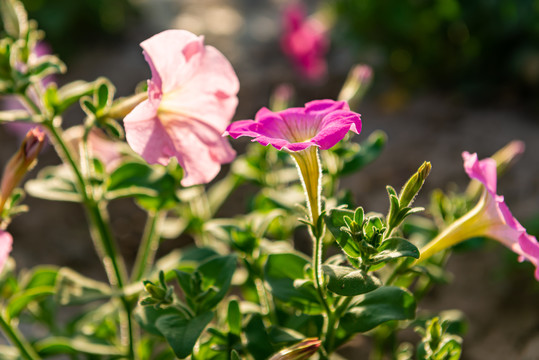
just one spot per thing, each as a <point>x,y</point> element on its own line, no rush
<point>449,76</point>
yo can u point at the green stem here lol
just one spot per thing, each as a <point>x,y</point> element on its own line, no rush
<point>149,244</point>
<point>98,218</point>
<point>103,239</point>
<point>17,339</point>
<point>308,162</point>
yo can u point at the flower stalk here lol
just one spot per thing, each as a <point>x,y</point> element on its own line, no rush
<point>17,339</point>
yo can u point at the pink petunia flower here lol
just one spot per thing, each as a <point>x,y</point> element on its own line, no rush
<point>490,217</point>
<point>301,131</point>
<point>321,123</point>
<point>6,242</point>
<point>191,100</point>
<point>305,42</point>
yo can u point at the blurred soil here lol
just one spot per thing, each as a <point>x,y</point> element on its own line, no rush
<point>498,296</point>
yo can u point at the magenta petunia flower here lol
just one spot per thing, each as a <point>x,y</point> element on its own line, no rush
<point>191,100</point>
<point>305,42</point>
<point>301,131</point>
<point>321,123</point>
<point>6,242</point>
<point>490,217</point>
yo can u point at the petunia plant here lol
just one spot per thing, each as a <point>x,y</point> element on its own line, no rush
<point>241,289</point>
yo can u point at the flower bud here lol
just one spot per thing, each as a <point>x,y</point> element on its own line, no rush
<point>358,81</point>
<point>414,184</point>
<point>300,351</point>
<point>123,106</point>
<point>155,291</point>
<point>23,160</point>
<point>282,97</point>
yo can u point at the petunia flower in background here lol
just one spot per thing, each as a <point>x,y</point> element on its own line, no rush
<point>13,103</point>
<point>490,218</point>
<point>305,42</point>
<point>300,131</point>
<point>6,242</point>
<point>109,152</point>
<point>191,100</point>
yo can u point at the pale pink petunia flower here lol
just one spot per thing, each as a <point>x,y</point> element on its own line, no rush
<point>321,123</point>
<point>490,217</point>
<point>191,101</point>
<point>305,42</point>
<point>6,242</point>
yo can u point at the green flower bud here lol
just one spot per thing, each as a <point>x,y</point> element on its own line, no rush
<point>414,184</point>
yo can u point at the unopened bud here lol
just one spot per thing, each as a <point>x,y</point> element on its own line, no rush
<point>282,97</point>
<point>123,106</point>
<point>358,81</point>
<point>23,160</point>
<point>155,291</point>
<point>414,184</point>
<point>300,351</point>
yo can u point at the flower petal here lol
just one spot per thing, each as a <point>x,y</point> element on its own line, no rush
<point>147,136</point>
<point>200,151</point>
<point>164,52</point>
<point>530,249</point>
<point>484,170</point>
<point>335,126</point>
<point>320,123</point>
<point>6,243</point>
<point>209,94</point>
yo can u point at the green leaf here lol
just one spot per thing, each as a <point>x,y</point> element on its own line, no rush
<point>376,307</point>
<point>349,281</point>
<point>234,317</point>
<point>335,220</point>
<point>181,333</point>
<point>40,276</point>
<point>46,65</point>
<point>78,345</point>
<point>186,282</point>
<point>258,340</point>
<point>234,355</point>
<point>104,94</point>
<point>19,301</point>
<point>394,248</point>
<point>216,272</point>
<point>147,317</point>
<point>17,115</point>
<point>153,187</point>
<point>72,92</point>
<point>281,271</point>
<point>54,183</point>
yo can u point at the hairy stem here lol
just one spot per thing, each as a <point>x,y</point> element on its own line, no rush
<point>17,339</point>
<point>149,244</point>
